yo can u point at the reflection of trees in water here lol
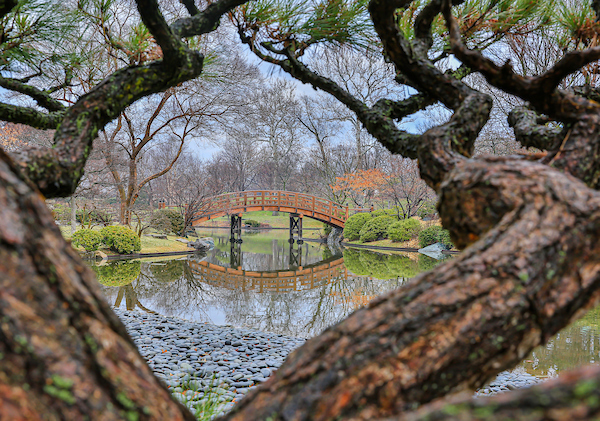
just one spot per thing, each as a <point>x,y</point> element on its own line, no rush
<point>574,346</point>
<point>171,287</point>
<point>168,287</point>
<point>301,313</point>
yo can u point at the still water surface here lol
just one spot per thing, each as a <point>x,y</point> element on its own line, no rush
<point>267,284</point>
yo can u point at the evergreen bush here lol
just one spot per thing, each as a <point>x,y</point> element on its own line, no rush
<point>384,212</point>
<point>90,240</point>
<point>435,234</point>
<point>376,228</point>
<point>167,221</point>
<point>252,223</point>
<point>426,209</point>
<point>404,230</point>
<point>354,224</point>
<point>120,239</point>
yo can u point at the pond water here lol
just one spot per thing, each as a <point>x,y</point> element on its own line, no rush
<point>297,290</point>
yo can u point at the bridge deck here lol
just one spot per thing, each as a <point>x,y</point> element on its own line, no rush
<point>270,200</point>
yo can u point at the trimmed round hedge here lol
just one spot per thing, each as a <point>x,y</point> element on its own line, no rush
<point>354,224</point>
<point>120,239</point>
<point>89,239</point>
<point>404,230</point>
<point>376,228</point>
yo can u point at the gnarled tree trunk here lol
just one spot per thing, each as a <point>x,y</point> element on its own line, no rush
<point>531,264</point>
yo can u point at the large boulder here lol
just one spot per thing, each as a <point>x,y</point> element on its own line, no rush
<point>203,244</point>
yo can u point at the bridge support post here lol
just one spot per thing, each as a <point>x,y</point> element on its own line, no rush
<point>235,255</point>
<point>295,255</point>
<point>295,227</point>
<point>236,229</point>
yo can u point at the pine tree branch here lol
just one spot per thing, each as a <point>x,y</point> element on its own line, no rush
<point>530,133</point>
<point>57,172</point>
<point>414,64</point>
<point>30,117</point>
<point>42,98</point>
<point>541,90</point>
<point>190,5</point>
<point>205,21</point>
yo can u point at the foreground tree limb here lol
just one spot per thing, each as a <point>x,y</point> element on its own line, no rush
<point>408,348</point>
<point>574,396</point>
<point>64,354</point>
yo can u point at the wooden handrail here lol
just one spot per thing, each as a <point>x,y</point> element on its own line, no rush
<point>309,204</point>
<point>268,281</point>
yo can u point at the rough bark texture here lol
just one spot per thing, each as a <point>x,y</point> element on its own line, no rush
<point>531,263</point>
<point>64,355</point>
<point>454,328</point>
<point>63,352</point>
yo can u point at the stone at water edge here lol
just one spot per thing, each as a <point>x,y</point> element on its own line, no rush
<point>202,244</point>
<point>434,251</point>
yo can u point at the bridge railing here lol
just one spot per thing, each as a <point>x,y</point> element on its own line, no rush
<point>296,200</point>
<point>279,281</point>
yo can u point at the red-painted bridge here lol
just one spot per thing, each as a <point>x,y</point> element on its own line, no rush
<point>304,205</point>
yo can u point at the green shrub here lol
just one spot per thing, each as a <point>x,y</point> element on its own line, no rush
<point>120,239</point>
<point>376,228</point>
<point>384,212</point>
<point>429,235</point>
<point>444,238</point>
<point>90,240</point>
<point>427,209</point>
<point>61,213</point>
<point>404,230</point>
<point>354,224</point>
<point>118,274</point>
<point>252,223</point>
<point>435,234</point>
<point>167,221</point>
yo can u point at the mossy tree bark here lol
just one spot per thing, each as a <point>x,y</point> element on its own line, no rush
<point>531,264</point>
<point>529,227</point>
<point>63,352</point>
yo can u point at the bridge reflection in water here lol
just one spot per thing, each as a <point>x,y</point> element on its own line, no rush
<point>300,279</point>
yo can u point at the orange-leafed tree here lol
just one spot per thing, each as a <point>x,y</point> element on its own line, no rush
<point>362,186</point>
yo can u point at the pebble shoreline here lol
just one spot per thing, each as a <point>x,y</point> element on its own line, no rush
<point>192,358</point>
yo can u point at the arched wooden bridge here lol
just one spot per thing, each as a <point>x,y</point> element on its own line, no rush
<point>303,278</point>
<point>272,200</point>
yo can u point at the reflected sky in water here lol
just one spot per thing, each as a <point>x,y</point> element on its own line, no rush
<point>298,290</point>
